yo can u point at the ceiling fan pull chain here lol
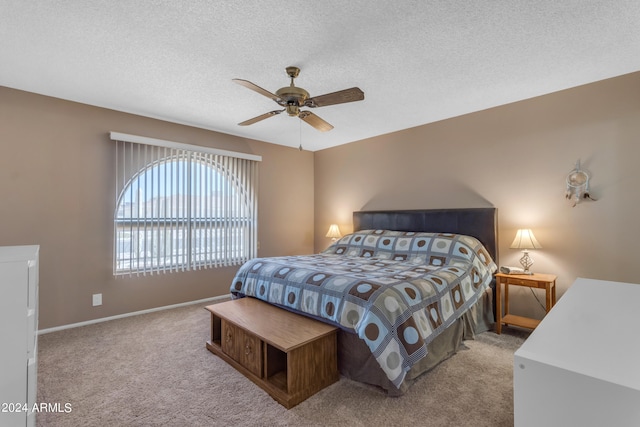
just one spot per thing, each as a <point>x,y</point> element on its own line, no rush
<point>300,126</point>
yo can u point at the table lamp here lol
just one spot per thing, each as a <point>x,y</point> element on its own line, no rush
<point>525,240</point>
<point>334,232</point>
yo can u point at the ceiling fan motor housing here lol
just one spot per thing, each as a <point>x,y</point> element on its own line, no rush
<point>292,96</point>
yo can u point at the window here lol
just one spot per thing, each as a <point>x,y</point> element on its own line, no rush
<point>182,207</point>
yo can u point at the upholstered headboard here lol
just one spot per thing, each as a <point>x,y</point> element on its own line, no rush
<point>480,223</point>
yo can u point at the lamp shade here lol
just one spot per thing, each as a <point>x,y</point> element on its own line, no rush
<point>525,240</point>
<point>334,232</point>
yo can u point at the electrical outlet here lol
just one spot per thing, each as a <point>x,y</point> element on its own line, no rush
<point>97,299</point>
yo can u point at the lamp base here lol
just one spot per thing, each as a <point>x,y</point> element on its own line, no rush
<point>526,262</point>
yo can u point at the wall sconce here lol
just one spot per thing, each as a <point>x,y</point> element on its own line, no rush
<point>525,240</point>
<point>334,232</point>
<point>578,185</point>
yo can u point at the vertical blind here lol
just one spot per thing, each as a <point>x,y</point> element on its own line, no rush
<point>182,207</point>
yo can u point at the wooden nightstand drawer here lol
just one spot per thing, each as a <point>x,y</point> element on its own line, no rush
<point>519,282</point>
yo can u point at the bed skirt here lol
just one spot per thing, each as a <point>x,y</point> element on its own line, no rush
<point>356,362</point>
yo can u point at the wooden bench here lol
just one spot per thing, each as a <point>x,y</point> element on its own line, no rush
<point>289,356</point>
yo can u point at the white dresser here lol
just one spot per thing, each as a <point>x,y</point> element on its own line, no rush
<point>18,334</point>
<point>581,365</point>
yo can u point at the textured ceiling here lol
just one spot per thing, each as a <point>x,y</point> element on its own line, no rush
<point>416,61</point>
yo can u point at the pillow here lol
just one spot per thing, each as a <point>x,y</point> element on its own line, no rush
<point>419,247</point>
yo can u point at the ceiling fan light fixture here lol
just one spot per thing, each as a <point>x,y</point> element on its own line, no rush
<point>293,110</point>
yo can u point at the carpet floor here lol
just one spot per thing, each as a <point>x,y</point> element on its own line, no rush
<point>154,370</point>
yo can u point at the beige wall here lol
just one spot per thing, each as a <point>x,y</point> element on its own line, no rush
<point>515,158</point>
<point>56,190</point>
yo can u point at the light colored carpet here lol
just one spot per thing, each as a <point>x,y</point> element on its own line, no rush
<point>154,370</point>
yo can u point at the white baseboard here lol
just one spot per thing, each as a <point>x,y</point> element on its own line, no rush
<point>135,313</point>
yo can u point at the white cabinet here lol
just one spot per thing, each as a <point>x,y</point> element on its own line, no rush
<point>18,334</point>
<point>581,366</point>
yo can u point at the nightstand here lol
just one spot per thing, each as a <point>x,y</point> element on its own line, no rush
<point>537,280</point>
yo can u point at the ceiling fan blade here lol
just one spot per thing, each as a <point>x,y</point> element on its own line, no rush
<point>315,121</point>
<point>254,87</point>
<point>260,117</point>
<point>340,97</point>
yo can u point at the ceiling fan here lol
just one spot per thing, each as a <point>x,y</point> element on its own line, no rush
<point>292,98</point>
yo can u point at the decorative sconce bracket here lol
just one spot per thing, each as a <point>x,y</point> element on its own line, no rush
<point>578,185</point>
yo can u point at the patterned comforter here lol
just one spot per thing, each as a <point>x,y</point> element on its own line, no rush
<point>396,290</point>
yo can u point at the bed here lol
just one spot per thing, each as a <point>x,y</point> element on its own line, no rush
<point>405,289</point>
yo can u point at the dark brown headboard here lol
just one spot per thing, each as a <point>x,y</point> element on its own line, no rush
<point>480,223</point>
